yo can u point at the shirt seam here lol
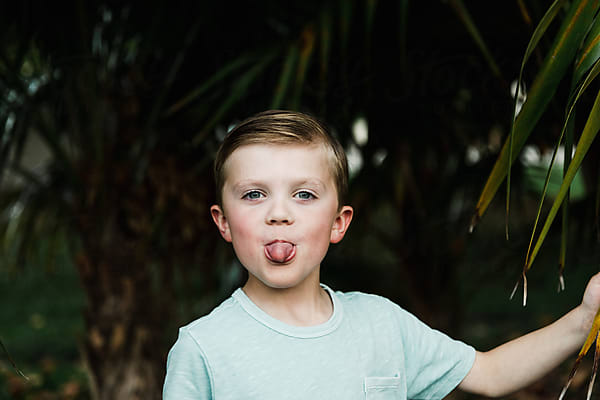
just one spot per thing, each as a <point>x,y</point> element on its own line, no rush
<point>206,364</point>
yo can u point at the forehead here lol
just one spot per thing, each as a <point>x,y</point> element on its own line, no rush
<point>277,161</point>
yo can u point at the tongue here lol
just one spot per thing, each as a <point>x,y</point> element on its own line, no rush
<point>279,251</point>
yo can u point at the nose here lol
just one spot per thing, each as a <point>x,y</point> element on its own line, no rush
<point>279,213</point>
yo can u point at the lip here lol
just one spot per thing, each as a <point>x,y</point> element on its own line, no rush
<point>288,259</point>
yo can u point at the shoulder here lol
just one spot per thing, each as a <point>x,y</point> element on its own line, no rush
<point>197,338</point>
<point>376,309</point>
<point>223,317</point>
<point>222,311</point>
<point>365,301</point>
<point>359,305</point>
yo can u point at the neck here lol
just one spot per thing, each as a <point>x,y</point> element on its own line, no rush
<point>303,305</point>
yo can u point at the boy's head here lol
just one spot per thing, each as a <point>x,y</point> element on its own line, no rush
<point>281,180</point>
<point>285,128</point>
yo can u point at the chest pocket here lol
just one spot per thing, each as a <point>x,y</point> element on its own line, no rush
<point>384,388</point>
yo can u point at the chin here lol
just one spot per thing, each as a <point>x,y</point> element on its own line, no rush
<point>281,282</point>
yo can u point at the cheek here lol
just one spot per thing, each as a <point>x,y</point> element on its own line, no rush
<point>242,225</point>
<point>321,228</point>
<point>240,229</point>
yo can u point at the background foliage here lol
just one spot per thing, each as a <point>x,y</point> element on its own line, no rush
<point>111,113</point>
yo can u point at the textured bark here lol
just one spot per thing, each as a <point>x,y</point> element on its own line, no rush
<point>122,350</point>
<point>132,237</point>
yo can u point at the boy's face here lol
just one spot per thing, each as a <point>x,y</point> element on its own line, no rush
<point>280,211</point>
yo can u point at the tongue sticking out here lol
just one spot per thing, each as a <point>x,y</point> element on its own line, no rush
<point>280,252</point>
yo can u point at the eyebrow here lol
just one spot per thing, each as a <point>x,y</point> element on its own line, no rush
<point>243,185</point>
<point>311,182</point>
<point>246,184</point>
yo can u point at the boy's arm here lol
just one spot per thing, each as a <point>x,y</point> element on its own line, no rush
<point>522,361</point>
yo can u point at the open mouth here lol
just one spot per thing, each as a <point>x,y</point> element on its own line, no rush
<point>280,251</point>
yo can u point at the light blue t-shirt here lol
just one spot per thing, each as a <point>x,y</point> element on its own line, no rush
<point>370,348</point>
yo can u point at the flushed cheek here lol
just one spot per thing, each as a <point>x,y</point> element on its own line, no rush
<point>319,235</point>
<point>246,230</point>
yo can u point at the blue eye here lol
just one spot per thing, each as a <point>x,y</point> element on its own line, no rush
<point>252,195</point>
<point>304,195</point>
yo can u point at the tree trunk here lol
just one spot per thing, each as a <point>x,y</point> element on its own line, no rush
<point>124,323</point>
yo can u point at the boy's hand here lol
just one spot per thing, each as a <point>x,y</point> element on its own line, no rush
<point>524,360</point>
<point>590,303</point>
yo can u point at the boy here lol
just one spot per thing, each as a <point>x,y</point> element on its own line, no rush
<point>281,180</point>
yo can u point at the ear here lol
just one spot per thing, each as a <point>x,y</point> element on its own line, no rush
<point>341,223</point>
<point>221,221</point>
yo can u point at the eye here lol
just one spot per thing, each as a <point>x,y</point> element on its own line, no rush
<point>304,195</point>
<point>252,195</point>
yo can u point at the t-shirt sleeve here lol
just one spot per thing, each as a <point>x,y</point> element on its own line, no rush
<point>188,375</point>
<point>435,363</point>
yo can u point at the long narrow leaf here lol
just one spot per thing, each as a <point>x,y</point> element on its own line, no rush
<point>325,45</point>
<point>524,12</point>
<point>157,105</point>
<point>370,16</point>
<point>594,369</point>
<point>533,42</point>
<point>563,51</point>
<point>590,51</point>
<point>285,77</point>
<point>589,133</point>
<point>567,131</point>
<point>541,28</point>
<point>239,89</point>
<point>465,16</point>
<point>402,35</point>
<point>567,125</point>
<point>543,196</point>
<point>568,151</point>
<point>592,336</point>
<point>14,365</point>
<point>597,208</point>
<point>346,10</point>
<point>371,6</point>
<point>324,55</point>
<point>214,80</point>
<point>307,47</point>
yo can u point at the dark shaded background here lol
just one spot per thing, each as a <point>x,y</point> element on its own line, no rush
<point>112,112</point>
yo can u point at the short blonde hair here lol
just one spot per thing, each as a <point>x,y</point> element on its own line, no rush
<point>283,127</point>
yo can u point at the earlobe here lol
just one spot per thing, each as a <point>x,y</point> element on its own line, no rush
<point>220,220</point>
<point>341,223</point>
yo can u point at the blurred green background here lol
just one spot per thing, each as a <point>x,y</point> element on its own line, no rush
<point>110,116</point>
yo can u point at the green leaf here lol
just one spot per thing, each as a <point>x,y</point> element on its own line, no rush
<point>286,75</point>
<point>539,31</point>
<point>214,80</point>
<point>402,35</point>
<point>567,127</point>
<point>346,10</point>
<point>307,46</point>
<point>567,130</point>
<point>560,57</point>
<point>371,6</point>
<point>465,16</point>
<point>325,35</point>
<point>589,133</point>
<point>597,209</point>
<point>533,42</point>
<point>590,51</point>
<point>14,365</point>
<point>568,151</point>
<point>591,338</point>
<point>238,90</point>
